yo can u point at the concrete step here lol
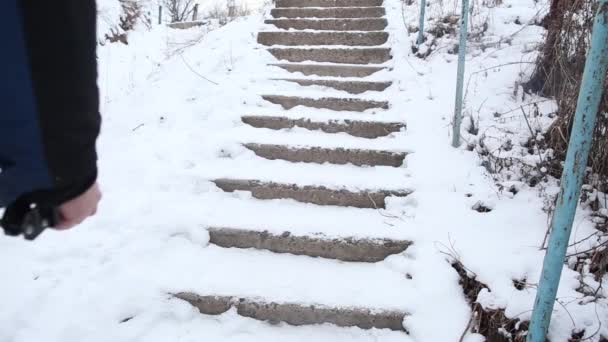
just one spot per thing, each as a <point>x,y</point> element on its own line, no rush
<point>318,245</point>
<point>323,38</point>
<point>333,103</point>
<point>329,12</point>
<point>353,24</point>
<point>352,87</point>
<point>339,55</point>
<point>328,3</point>
<point>320,155</point>
<point>320,195</point>
<point>363,129</point>
<point>296,314</point>
<point>334,70</point>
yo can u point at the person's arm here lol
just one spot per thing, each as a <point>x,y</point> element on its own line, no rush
<point>61,43</point>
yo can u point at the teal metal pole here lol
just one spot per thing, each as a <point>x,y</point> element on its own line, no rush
<point>421,24</point>
<point>462,52</point>
<point>581,137</point>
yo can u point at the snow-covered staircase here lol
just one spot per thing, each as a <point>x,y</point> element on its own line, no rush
<point>333,44</point>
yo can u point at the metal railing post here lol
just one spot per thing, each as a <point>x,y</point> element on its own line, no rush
<point>462,52</point>
<point>420,39</point>
<point>579,146</point>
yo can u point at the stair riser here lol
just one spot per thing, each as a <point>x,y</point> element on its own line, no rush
<point>330,24</point>
<point>351,87</point>
<point>336,104</point>
<point>363,129</point>
<point>335,12</point>
<point>323,155</point>
<point>346,56</point>
<point>311,194</point>
<point>330,70</point>
<point>346,249</point>
<point>322,38</point>
<point>296,314</point>
<point>328,3</point>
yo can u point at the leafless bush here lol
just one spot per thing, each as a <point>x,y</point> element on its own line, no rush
<point>132,13</point>
<point>558,74</point>
<point>179,10</point>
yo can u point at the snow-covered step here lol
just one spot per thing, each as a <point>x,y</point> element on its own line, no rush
<point>345,24</point>
<point>329,12</point>
<point>337,55</point>
<point>295,313</point>
<point>333,70</point>
<point>328,3</point>
<point>363,129</point>
<point>317,245</point>
<point>321,155</point>
<point>320,195</point>
<point>332,103</point>
<point>352,87</point>
<point>323,38</point>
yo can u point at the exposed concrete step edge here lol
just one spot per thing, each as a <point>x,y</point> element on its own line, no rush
<point>345,249</point>
<point>328,12</point>
<point>332,103</point>
<point>372,38</point>
<point>328,3</point>
<point>336,24</point>
<point>363,129</point>
<point>333,55</point>
<point>319,195</point>
<point>296,314</point>
<point>351,87</point>
<point>322,155</point>
<point>335,70</point>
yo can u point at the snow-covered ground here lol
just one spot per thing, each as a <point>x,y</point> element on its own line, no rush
<point>171,103</point>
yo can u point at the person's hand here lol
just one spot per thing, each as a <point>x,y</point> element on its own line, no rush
<point>75,211</point>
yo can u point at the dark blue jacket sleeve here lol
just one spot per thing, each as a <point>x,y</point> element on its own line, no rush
<point>49,119</point>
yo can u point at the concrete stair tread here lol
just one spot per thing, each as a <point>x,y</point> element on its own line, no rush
<point>332,24</point>
<point>349,86</point>
<point>328,3</point>
<point>339,55</point>
<point>333,70</point>
<point>328,12</point>
<point>320,155</point>
<point>316,245</point>
<point>314,194</point>
<point>287,278</point>
<point>363,129</point>
<point>297,314</point>
<point>277,216</point>
<point>332,103</point>
<point>291,38</point>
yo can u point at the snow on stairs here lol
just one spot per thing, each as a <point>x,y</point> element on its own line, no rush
<point>357,60</point>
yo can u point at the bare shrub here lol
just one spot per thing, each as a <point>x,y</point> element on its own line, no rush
<point>558,74</point>
<point>179,10</point>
